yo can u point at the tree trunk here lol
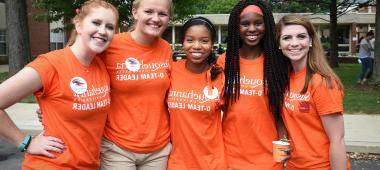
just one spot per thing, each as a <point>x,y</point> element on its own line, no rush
<point>18,35</point>
<point>333,58</point>
<point>376,75</point>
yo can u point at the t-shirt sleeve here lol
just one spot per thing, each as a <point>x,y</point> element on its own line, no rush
<point>327,101</point>
<point>363,42</point>
<point>46,72</point>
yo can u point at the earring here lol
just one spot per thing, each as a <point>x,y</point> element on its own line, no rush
<point>310,45</point>
<point>279,48</point>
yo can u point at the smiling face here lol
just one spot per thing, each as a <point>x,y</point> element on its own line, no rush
<point>96,30</point>
<point>252,29</point>
<point>295,43</point>
<point>152,17</point>
<point>197,45</point>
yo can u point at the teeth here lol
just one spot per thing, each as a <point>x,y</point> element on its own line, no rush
<point>196,54</point>
<point>251,37</point>
<point>100,39</point>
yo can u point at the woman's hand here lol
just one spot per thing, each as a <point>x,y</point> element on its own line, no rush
<point>43,145</point>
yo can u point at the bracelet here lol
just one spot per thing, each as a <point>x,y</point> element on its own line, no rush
<point>25,143</point>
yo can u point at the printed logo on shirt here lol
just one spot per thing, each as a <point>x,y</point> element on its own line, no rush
<point>214,93</point>
<point>304,107</point>
<point>192,100</point>
<point>251,87</point>
<point>291,98</point>
<point>132,64</point>
<point>93,98</point>
<point>78,85</point>
<point>131,71</point>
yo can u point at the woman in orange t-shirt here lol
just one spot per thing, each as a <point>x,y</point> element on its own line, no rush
<point>137,132</point>
<point>314,102</point>
<point>72,88</point>
<point>195,108</point>
<point>256,77</point>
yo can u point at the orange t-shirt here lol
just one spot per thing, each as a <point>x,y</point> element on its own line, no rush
<point>302,114</point>
<point>195,121</point>
<point>248,125</point>
<point>139,119</point>
<point>74,101</point>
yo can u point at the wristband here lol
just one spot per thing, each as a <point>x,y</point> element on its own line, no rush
<point>25,143</point>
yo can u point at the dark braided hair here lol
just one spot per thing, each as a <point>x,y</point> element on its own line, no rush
<point>275,66</point>
<point>211,60</point>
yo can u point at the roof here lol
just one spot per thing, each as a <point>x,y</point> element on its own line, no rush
<point>359,18</point>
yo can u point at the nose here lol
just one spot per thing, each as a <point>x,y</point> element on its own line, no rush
<point>155,17</point>
<point>197,45</point>
<point>294,42</point>
<point>102,29</point>
<point>251,27</point>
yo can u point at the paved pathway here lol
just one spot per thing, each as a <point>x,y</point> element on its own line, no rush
<point>362,132</point>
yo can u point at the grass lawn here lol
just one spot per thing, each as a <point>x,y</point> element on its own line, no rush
<point>358,98</point>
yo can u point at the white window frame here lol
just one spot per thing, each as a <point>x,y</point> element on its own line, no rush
<point>3,40</point>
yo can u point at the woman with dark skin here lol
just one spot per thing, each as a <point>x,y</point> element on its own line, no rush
<point>195,112</point>
<point>256,77</point>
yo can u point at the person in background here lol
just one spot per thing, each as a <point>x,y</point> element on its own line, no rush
<point>256,77</point>
<point>64,82</point>
<point>195,108</point>
<point>314,100</point>
<point>365,58</point>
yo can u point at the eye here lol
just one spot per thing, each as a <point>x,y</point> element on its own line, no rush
<point>258,23</point>
<point>110,26</point>
<point>285,38</point>
<point>205,41</point>
<point>188,40</point>
<point>244,24</point>
<point>163,14</point>
<point>302,36</point>
<point>97,23</point>
<point>149,11</point>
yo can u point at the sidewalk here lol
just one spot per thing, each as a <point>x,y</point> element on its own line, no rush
<point>4,68</point>
<point>362,132</point>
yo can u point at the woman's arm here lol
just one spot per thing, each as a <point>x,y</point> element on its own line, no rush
<point>334,128</point>
<point>22,84</point>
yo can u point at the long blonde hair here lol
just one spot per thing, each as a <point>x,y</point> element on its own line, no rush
<point>316,60</point>
<point>85,10</point>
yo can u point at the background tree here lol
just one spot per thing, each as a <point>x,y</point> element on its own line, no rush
<point>17,35</point>
<point>335,8</point>
<point>219,6</point>
<point>65,10</point>
<point>376,75</point>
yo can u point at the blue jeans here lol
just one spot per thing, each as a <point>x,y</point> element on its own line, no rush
<point>367,64</point>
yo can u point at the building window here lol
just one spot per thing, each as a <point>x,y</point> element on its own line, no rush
<point>3,43</point>
<point>57,40</point>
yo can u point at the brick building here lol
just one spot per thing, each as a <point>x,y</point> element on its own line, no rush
<point>39,33</point>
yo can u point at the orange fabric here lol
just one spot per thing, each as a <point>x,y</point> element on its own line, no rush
<point>76,118</point>
<point>195,121</point>
<point>248,125</point>
<point>302,114</point>
<point>138,120</point>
